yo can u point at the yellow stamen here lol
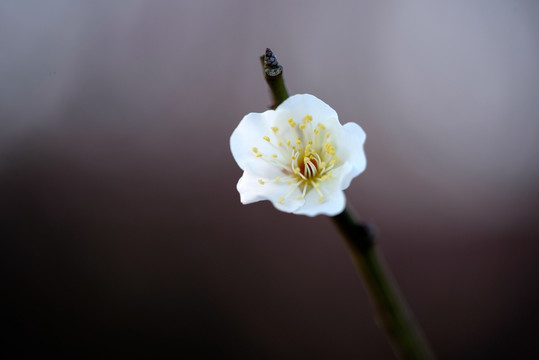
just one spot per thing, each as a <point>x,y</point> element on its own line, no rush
<point>330,149</point>
<point>307,119</point>
<point>292,123</point>
<point>266,138</point>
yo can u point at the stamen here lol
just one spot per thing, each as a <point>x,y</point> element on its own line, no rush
<point>261,182</point>
<point>316,187</point>
<point>266,138</point>
<point>328,148</point>
<point>307,119</point>
<point>292,123</point>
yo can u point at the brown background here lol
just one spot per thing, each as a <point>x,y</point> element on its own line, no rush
<point>122,230</point>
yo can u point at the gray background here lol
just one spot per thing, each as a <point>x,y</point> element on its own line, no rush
<point>122,229</point>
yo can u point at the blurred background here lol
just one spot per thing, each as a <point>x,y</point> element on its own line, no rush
<point>122,230</point>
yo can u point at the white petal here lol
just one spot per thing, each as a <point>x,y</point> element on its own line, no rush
<point>250,133</point>
<point>302,104</point>
<point>252,191</point>
<point>352,144</point>
<point>333,203</point>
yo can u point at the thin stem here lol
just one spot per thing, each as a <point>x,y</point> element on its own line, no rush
<point>273,73</point>
<point>391,310</point>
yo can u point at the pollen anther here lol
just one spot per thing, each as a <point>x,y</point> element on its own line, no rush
<point>307,119</point>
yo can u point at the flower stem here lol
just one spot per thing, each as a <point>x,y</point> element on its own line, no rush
<point>273,73</point>
<point>392,313</point>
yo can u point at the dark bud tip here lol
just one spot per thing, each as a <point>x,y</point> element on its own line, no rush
<point>270,60</point>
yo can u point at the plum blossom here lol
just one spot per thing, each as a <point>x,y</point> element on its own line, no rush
<point>298,156</point>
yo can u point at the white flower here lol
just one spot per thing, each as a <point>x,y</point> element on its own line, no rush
<point>298,156</point>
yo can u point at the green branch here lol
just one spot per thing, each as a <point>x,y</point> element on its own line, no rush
<point>392,313</point>
<point>273,73</point>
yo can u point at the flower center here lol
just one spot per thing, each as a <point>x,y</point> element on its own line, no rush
<point>305,160</point>
<point>309,167</point>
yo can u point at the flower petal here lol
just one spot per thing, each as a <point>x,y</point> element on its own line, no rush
<point>333,203</point>
<point>352,144</point>
<point>250,133</point>
<point>252,191</point>
<point>302,104</point>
